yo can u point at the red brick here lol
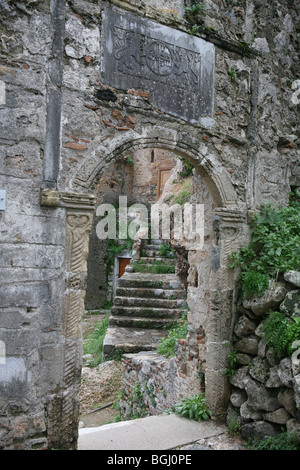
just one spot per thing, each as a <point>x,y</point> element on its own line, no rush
<point>140,93</point>
<point>75,146</point>
<point>117,114</point>
<point>108,123</point>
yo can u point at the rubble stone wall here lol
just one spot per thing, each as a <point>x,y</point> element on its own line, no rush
<point>265,385</point>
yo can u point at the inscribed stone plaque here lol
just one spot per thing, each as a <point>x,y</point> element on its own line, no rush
<point>175,67</point>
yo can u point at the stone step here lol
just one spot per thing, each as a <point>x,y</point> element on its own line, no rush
<point>140,322</point>
<point>154,259</point>
<point>131,340</point>
<point>153,253</point>
<point>150,280</point>
<point>142,292</point>
<point>153,246</point>
<point>151,312</point>
<point>148,302</point>
<point>153,268</point>
<point>155,242</point>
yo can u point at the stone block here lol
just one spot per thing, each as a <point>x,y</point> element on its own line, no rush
<point>280,416</point>
<point>261,398</point>
<point>29,295</point>
<point>291,304</point>
<point>293,277</point>
<point>259,430</point>
<point>270,299</point>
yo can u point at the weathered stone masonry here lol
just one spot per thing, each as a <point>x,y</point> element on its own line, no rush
<point>61,127</point>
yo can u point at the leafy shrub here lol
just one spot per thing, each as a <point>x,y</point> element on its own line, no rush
<point>283,441</point>
<point>193,408</point>
<point>281,331</point>
<point>274,248</point>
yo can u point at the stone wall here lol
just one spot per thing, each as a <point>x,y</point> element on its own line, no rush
<point>264,395</point>
<point>162,381</point>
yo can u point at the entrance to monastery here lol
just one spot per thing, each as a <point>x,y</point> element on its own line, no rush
<point>210,284</point>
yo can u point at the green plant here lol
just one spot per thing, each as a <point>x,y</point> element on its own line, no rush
<point>187,169</point>
<point>231,362</point>
<point>193,408</point>
<point>166,346</point>
<point>195,8</point>
<point>129,160</point>
<point>254,282</point>
<point>107,304</point>
<point>182,197</point>
<point>149,390</point>
<point>156,268</point>
<point>194,31</point>
<point>166,251</point>
<point>232,74</point>
<point>136,403</point>
<point>280,331</point>
<point>234,426</point>
<point>274,248</point>
<point>94,343</point>
<point>282,441</point>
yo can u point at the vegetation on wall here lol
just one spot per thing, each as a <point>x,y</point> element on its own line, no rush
<point>280,332</point>
<point>166,346</point>
<point>274,247</point>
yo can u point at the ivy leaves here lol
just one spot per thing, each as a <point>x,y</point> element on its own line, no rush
<point>274,248</point>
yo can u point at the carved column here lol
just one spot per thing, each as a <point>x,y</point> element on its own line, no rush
<point>229,229</point>
<point>63,409</point>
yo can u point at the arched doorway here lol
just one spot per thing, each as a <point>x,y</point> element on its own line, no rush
<point>211,295</point>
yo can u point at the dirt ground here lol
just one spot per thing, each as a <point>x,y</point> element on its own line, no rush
<point>99,385</point>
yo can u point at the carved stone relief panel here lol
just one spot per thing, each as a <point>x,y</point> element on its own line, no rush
<point>175,67</point>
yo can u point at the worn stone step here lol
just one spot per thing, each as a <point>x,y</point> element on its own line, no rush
<point>140,322</point>
<point>130,311</point>
<point>154,260</point>
<point>156,253</point>
<point>150,280</point>
<point>148,302</point>
<point>156,242</point>
<point>153,246</point>
<point>131,340</point>
<point>154,269</point>
<point>142,292</point>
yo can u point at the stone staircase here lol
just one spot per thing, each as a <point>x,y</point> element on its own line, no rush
<point>149,298</point>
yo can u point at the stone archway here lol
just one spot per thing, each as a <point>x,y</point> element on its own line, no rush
<point>227,223</point>
<point>212,172</point>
